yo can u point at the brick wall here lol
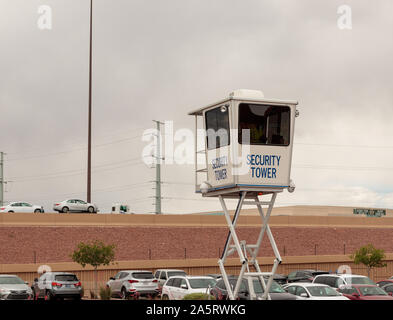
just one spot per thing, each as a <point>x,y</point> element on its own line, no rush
<point>43,244</point>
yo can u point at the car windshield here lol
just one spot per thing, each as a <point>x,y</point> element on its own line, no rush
<point>372,291</point>
<point>176,273</point>
<point>11,280</point>
<point>142,275</point>
<point>201,283</point>
<point>66,277</point>
<point>359,280</point>
<point>275,288</point>
<point>322,291</point>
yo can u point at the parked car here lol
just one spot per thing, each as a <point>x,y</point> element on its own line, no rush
<point>133,284</point>
<point>276,292</point>
<point>57,285</point>
<point>14,288</point>
<point>75,205</point>
<point>21,207</point>
<point>364,292</point>
<point>304,275</point>
<point>388,288</point>
<point>176,287</point>
<point>384,282</point>
<point>313,291</point>
<point>216,276</point>
<point>280,279</point>
<point>336,280</point>
<point>162,275</point>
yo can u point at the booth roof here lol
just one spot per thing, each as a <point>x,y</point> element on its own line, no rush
<point>199,112</point>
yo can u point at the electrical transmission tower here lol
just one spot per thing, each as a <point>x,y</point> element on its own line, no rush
<point>2,181</point>
<point>158,159</point>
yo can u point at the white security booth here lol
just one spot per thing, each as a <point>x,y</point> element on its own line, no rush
<point>248,153</point>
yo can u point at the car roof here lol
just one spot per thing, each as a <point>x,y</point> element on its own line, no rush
<point>358,285</point>
<point>8,275</point>
<point>59,273</point>
<point>307,284</point>
<point>170,270</point>
<point>341,275</point>
<point>131,271</point>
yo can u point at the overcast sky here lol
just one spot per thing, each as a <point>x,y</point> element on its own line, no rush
<point>160,60</point>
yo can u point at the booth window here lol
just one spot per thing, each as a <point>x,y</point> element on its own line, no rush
<point>217,127</point>
<point>268,125</point>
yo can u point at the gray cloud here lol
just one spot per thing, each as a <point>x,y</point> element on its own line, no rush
<point>159,60</point>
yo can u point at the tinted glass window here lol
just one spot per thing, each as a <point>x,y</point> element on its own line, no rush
<point>183,283</point>
<point>292,275</point>
<point>157,274</point>
<point>372,291</point>
<point>66,277</point>
<point>266,124</point>
<point>169,282</point>
<point>217,127</point>
<point>176,273</point>
<point>360,280</point>
<point>143,275</point>
<point>388,288</point>
<point>221,284</point>
<point>163,276</point>
<point>291,289</point>
<point>320,280</point>
<point>300,290</point>
<point>176,282</point>
<point>11,280</point>
<point>201,283</point>
<point>322,291</point>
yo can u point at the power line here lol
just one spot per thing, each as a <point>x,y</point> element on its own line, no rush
<point>70,173</point>
<point>77,149</point>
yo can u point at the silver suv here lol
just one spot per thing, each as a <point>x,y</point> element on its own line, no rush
<point>14,288</point>
<point>133,283</point>
<point>57,285</point>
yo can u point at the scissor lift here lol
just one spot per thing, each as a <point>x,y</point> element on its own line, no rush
<point>233,244</point>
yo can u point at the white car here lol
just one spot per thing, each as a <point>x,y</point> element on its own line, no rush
<point>313,291</point>
<point>14,288</point>
<point>21,207</point>
<point>75,205</point>
<point>336,280</point>
<point>175,288</point>
<point>162,275</point>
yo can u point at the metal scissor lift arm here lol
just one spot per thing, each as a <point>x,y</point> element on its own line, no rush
<point>243,249</point>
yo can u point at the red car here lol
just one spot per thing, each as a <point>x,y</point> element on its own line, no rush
<point>364,292</point>
<point>384,282</point>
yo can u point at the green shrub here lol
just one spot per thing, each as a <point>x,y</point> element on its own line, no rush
<point>105,293</point>
<point>198,296</point>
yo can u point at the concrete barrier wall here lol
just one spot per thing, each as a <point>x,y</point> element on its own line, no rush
<point>54,219</point>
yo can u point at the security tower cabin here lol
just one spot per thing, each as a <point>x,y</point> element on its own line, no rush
<point>248,142</point>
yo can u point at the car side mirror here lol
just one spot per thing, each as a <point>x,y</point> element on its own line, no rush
<point>184,286</point>
<point>304,295</point>
<point>355,295</point>
<point>111,278</point>
<point>35,279</point>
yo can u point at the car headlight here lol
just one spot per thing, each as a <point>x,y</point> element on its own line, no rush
<point>4,291</point>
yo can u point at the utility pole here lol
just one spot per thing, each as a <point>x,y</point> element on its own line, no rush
<point>158,168</point>
<point>2,182</point>
<point>89,112</point>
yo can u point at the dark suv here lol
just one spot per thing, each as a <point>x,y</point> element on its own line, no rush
<point>276,291</point>
<point>304,275</point>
